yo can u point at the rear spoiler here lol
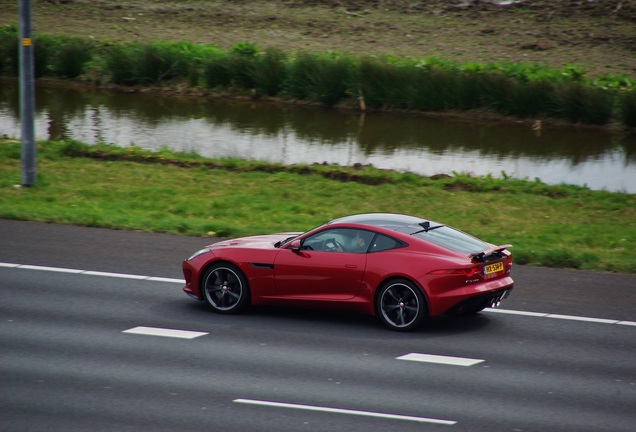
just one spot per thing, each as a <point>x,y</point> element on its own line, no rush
<point>480,255</point>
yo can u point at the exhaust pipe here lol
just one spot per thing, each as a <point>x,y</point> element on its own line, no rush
<point>496,301</point>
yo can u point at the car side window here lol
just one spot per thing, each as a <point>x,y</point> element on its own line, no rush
<point>331,240</point>
<point>357,241</point>
<point>382,242</point>
<point>339,240</point>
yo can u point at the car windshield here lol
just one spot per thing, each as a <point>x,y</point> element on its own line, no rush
<point>452,239</point>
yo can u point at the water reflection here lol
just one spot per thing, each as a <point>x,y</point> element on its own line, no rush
<point>292,134</point>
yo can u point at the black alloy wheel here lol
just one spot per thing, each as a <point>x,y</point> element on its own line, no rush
<point>400,305</point>
<point>225,288</point>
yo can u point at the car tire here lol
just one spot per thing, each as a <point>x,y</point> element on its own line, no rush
<point>225,288</point>
<point>401,305</point>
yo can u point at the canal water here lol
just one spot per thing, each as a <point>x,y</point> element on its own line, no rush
<point>296,134</point>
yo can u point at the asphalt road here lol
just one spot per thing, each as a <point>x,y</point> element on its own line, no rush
<point>77,351</point>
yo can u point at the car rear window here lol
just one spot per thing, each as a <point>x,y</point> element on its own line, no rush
<point>452,239</point>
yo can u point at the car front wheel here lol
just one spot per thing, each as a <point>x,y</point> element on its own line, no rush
<point>400,305</point>
<point>225,288</point>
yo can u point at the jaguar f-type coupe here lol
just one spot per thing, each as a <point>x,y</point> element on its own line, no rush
<point>401,268</point>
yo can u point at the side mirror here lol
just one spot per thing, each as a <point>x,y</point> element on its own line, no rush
<point>295,245</point>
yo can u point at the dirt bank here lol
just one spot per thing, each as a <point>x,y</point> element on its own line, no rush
<point>597,35</point>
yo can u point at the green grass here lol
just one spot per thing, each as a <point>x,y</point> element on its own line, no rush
<point>134,189</point>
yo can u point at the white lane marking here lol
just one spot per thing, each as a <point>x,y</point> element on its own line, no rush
<point>628,323</point>
<point>557,316</point>
<point>155,331</point>
<point>430,358</point>
<point>92,273</point>
<point>115,275</point>
<point>515,312</point>
<point>564,317</point>
<point>52,269</point>
<point>181,281</point>
<point>345,411</point>
<point>578,318</point>
<point>162,279</point>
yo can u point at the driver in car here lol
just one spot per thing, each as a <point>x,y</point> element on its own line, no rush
<point>358,244</point>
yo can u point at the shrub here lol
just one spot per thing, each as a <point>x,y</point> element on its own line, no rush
<point>162,61</point>
<point>627,104</point>
<point>429,89</point>
<point>326,78</point>
<point>532,98</point>
<point>372,81</point>
<point>216,70</point>
<point>243,64</point>
<point>384,83</point>
<point>242,69</point>
<point>578,103</point>
<point>10,53</point>
<point>334,79</point>
<point>244,48</point>
<point>133,64</point>
<point>494,91</point>
<point>301,75</point>
<point>72,57</point>
<point>196,56</point>
<point>270,74</point>
<point>43,51</point>
<point>9,49</point>
<point>120,62</point>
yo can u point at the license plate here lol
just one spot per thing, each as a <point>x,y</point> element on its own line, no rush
<point>493,268</point>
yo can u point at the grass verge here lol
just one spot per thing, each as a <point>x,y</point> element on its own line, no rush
<point>134,189</point>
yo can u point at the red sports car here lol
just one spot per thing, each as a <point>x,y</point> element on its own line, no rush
<point>401,268</point>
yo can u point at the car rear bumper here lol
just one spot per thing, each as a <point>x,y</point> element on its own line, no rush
<point>471,298</point>
<point>477,303</point>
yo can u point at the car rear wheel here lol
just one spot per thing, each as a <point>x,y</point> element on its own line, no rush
<point>225,288</point>
<point>400,305</point>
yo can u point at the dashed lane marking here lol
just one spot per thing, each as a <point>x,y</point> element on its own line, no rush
<point>344,411</point>
<point>430,358</point>
<point>155,331</point>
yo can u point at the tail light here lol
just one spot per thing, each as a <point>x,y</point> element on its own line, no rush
<point>464,271</point>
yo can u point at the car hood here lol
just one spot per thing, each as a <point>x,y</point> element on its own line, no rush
<point>254,242</point>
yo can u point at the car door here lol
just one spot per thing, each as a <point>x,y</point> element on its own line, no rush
<point>319,271</point>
